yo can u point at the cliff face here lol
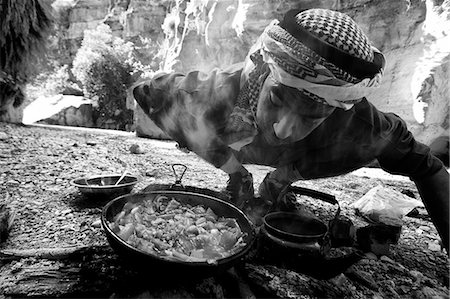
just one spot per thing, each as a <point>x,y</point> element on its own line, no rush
<point>414,84</point>
<point>389,24</point>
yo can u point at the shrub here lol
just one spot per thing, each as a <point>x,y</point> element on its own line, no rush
<point>103,65</point>
<point>107,80</point>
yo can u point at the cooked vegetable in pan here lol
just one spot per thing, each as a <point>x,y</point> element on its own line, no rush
<point>169,229</point>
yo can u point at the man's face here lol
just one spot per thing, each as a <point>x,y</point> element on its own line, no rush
<point>274,111</point>
<point>285,114</point>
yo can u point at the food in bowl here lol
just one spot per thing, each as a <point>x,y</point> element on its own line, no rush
<point>172,230</point>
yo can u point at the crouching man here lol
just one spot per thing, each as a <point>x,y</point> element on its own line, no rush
<point>298,104</point>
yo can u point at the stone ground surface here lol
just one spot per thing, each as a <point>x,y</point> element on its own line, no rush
<point>37,164</point>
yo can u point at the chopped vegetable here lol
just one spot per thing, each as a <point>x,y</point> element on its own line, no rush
<point>126,231</point>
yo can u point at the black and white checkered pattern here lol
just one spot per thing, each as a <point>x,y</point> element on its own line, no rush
<point>338,30</point>
<point>305,54</point>
<point>242,121</point>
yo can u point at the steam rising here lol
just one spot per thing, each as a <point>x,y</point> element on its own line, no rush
<point>195,128</point>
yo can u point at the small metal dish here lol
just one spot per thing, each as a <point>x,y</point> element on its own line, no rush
<point>104,186</point>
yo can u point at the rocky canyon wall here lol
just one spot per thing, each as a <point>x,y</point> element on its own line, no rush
<point>412,34</point>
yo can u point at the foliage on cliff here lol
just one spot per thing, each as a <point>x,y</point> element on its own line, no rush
<point>186,16</point>
<point>104,66</point>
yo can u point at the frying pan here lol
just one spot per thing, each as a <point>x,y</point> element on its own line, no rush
<point>156,264</point>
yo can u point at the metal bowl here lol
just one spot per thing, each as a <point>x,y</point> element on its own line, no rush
<point>163,267</point>
<point>103,186</point>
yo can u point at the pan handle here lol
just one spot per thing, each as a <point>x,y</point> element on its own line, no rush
<point>178,177</point>
<point>319,195</point>
<point>316,194</point>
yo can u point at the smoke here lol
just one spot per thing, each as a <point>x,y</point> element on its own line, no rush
<point>186,123</point>
<point>199,132</point>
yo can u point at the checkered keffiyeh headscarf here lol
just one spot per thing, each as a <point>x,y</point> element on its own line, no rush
<point>322,53</point>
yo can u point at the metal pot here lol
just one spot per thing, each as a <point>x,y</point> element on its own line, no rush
<point>299,228</point>
<point>297,233</point>
<point>290,234</point>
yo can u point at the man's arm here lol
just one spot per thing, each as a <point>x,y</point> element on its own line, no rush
<point>193,110</point>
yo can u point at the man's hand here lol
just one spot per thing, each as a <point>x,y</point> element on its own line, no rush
<point>240,188</point>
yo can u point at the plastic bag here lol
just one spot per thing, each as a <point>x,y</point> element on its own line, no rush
<point>384,205</point>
